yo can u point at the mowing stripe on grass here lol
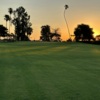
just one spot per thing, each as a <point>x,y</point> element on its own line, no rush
<point>49,71</point>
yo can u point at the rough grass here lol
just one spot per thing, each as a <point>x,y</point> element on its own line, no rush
<point>49,71</point>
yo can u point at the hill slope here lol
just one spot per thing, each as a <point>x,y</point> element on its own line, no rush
<point>49,71</point>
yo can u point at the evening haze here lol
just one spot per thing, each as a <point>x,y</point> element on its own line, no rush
<point>51,12</point>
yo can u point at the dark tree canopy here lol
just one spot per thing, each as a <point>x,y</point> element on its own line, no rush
<point>47,35</point>
<point>55,36</point>
<point>22,24</point>
<point>83,32</point>
<point>3,31</point>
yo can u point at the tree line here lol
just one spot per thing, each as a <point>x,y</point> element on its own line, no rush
<point>23,28</point>
<point>21,22</point>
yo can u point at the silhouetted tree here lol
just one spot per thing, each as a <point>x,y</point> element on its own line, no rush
<point>7,18</point>
<point>45,33</point>
<point>10,10</point>
<point>22,24</point>
<point>83,32</point>
<point>97,38</point>
<point>66,7</point>
<point>3,31</point>
<point>55,35</point>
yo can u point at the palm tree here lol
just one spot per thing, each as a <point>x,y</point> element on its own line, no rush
<point>6,18</point>
<point>10,10</point>
<point>66,7</point>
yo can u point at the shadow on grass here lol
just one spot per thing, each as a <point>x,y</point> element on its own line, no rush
<point>91,42</point>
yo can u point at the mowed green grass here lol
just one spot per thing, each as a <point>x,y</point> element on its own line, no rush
<point>49,71</point>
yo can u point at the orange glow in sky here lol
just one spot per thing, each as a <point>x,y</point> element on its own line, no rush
<point>96,32</point>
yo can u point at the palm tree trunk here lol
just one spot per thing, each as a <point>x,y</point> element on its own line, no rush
<point>6,24</point>
<point>9,27</point>
<point>67,24</point>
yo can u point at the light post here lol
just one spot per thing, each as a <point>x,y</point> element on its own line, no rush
<point>66,7</point>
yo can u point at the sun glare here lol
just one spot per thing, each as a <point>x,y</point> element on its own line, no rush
<point>96,33</point>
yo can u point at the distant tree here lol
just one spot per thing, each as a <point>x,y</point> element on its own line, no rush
<point>3,31</point>
<point>22,23</point>
<point>97,38</point>
<point>7,18</point>
<point>83,32</point>
<point>10,10</point>
<point>55,35</point>
<point>45,33</point>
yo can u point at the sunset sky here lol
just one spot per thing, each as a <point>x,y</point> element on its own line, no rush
<point>51,12</point>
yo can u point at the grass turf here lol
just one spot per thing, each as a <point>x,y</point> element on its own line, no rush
<point>49,71</point>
